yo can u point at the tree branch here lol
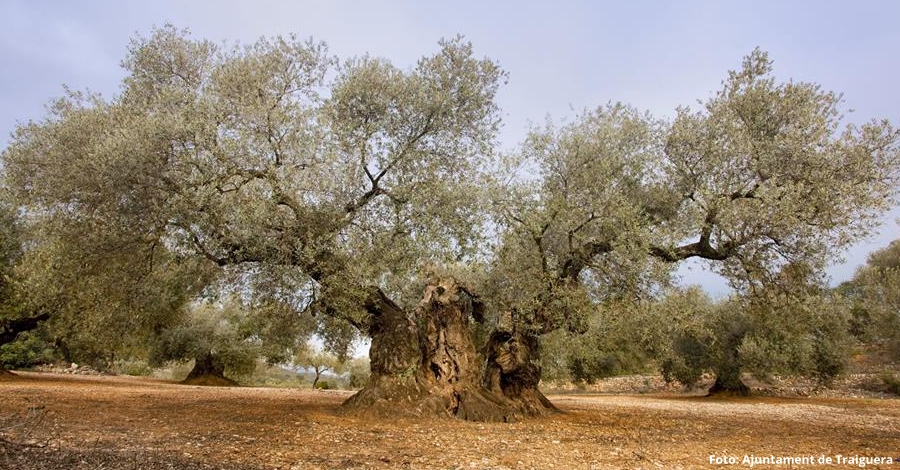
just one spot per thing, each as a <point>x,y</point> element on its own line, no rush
<point>10,329</point>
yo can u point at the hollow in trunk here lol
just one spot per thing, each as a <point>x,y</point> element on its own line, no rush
<point>426,362</point>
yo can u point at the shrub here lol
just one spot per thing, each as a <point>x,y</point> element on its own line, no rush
<point>324,385</point>
<point>132,367</point>
<point>891,382</point>
<point>29,350</point>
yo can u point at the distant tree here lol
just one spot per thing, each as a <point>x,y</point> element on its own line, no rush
<point>875,293</point>
<point>357,372</point>
<point>614,344</point>
<point>319,361</point>
<point>794,326</point>
<point>797,326</point>
<point>212,336</point>
<point>681,333</point>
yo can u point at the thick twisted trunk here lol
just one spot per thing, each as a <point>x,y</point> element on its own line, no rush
<point>208,370</point>
<point>513,371</point>
<point>426,362</point>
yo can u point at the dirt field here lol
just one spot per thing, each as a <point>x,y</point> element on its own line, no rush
<point>52,421</point>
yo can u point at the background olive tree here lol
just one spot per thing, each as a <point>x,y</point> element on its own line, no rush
<point>14,318</point>
<point>793,327</point>
<point>319,362</point>
<point>226,338</point>
<point>875,293</point>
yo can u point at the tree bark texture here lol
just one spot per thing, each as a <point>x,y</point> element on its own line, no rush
<point>426,363</point>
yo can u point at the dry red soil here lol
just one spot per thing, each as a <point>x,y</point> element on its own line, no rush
<point>50,421</point>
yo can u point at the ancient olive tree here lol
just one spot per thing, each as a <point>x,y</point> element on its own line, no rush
<point>350,190</point>
<point>763,175</point>
<point>226,338</point>
<point>335,182</point>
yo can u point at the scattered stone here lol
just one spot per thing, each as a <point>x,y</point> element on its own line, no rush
<point>72,369</point>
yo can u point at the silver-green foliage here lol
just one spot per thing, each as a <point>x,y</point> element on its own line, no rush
<point>792,327</point>
<point>315,178</point>
<point>762,175</point>
<point>616,343</point>
<point>217,329</point>
<point>10,252</point>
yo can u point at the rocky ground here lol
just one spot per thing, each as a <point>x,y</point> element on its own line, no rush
<point>72,369</point>
<point>70,421</point>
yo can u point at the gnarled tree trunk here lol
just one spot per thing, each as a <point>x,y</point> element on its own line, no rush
<point>729,365</point>
<point>426,362</point>
<point>208,370</point>
<point>729,384</point>
<point>513,371</point>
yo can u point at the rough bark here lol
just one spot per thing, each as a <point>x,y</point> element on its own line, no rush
<point>513,371</point>
<point>425,362</point>
<point>208,370</point>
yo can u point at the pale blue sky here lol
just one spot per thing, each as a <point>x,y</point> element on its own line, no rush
<point>561,56</point>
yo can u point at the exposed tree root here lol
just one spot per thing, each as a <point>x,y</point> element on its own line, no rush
<point>210,380</point>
